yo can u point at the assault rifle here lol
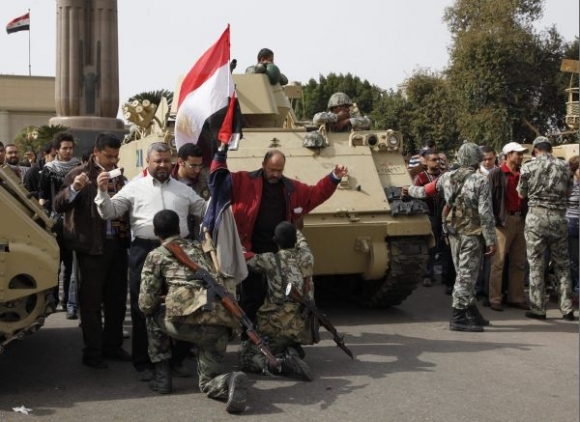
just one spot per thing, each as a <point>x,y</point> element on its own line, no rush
<point>295,295</point>
<point>217,291</point>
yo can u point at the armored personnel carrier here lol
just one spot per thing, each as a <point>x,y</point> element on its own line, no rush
<point>368,244</point>
<point>28,261</point>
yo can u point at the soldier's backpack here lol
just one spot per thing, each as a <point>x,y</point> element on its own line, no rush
<point>458,218</point>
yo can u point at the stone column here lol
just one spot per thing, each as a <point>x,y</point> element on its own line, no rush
<point>87,65</point>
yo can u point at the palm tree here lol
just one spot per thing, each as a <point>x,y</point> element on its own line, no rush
<point>34,137</point>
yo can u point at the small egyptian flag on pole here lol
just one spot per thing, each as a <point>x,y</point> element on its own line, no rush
<point>21,23</point>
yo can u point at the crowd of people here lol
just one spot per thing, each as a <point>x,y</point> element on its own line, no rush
<point>497,224</point>
<point>115,231</point>
<point>505,223</point>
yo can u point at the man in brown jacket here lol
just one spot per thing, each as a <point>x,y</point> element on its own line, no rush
<point>101,251</point>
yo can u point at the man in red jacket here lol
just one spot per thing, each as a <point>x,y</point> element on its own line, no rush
<point>260,200</point>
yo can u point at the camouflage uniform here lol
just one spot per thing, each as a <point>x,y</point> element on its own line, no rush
<point>181,316</point>
<point>468,232</point>
<point>263,68</point>
<point>280,319</point>
<point>546,182</point>
<point>356,122</point>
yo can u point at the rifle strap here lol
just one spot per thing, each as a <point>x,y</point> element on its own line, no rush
<point>456,192</point>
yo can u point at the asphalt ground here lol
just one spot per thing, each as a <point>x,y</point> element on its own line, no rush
<point>408,367</point>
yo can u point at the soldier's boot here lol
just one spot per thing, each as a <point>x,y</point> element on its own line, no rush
<point>161,381</point>
<point>295,367</point>
<point>474,314</point>
<point>461,322</point>
<point>237,392</point>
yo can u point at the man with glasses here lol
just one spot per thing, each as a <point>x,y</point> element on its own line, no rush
<point>143,198</point>
<point>190,169</point>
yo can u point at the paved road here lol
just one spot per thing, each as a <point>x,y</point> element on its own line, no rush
<point>409,367</point>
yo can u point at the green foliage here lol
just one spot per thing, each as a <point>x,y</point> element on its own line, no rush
<point>316,94</point>
<point>504,76</point>
<point>34,138</point>
<point>432,111</point>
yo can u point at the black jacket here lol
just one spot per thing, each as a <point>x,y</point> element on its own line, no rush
<point>84,229</point>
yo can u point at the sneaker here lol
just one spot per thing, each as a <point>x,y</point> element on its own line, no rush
<point>237,392</point>
<point>293,366</point>
<point>427,282</point>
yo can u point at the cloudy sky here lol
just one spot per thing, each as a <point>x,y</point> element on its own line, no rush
<point>382,41</point>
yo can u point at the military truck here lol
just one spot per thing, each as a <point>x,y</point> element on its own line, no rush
<point>368,243</point>
<point>29,258</point>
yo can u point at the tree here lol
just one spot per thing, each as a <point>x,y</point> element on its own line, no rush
<point>503,74</point>
<point>432,110</point>
<point>316,94</point>
<point>34,138</point>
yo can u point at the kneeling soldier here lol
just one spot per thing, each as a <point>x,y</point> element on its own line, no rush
<point>174,305</point>
<point>281,320</point>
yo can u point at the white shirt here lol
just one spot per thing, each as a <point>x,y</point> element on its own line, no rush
<point>144,197</point>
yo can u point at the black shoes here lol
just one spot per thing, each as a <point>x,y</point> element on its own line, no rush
<point>519,305</point>
<point>237,392</point>
<point>161,381</point>
<point>179,370</point>
<point>118,354</point>
<point>533,315</point>
<point>145,375</point>
<point>295,367</point>
<point>569,316</point>
<point>71,314</point>
<point>96,363</point>
<point>474,314</point>
<point>461,320</point>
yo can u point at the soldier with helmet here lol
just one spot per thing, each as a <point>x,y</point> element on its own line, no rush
<point>546,182</point>
<point>469,221</point>
<point>340,117</point>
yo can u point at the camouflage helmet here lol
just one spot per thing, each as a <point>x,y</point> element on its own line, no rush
<point>469,155</point>
<point>338,99</point>
<point>314,140</point>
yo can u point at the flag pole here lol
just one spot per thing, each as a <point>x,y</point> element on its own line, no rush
<point>29,65</point>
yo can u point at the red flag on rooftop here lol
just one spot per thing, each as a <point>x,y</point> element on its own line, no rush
<point>21,23</point>
<point>207,93</point>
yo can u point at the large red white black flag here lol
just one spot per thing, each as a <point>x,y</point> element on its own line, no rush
<point>21,23</point>
<point>207,94</point>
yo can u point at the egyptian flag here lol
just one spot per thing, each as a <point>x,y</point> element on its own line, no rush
<point>21,23</point>
<point>207,94</point>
